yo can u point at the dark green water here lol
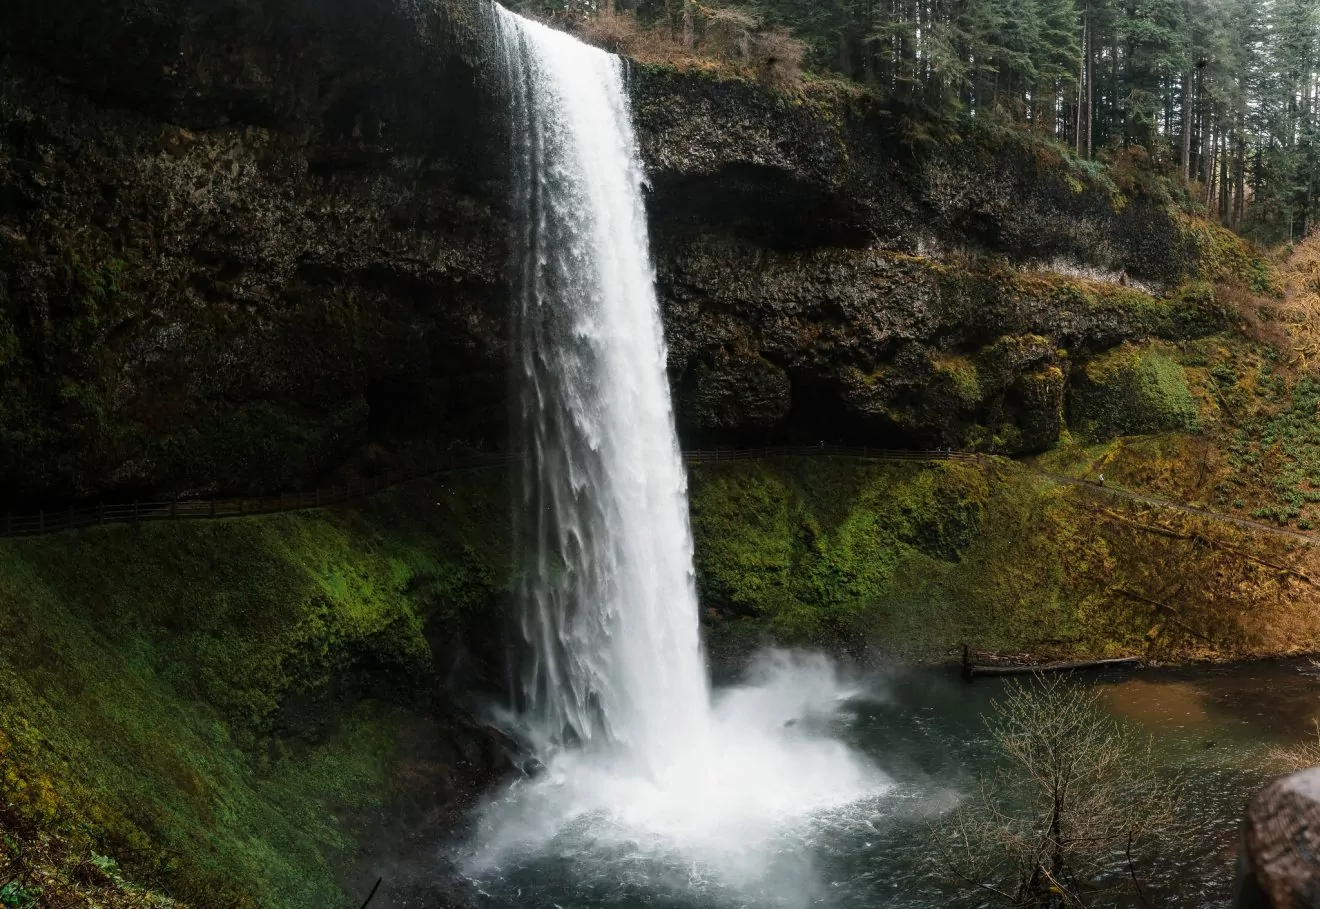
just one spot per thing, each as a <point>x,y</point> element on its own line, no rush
<point>925,731</point>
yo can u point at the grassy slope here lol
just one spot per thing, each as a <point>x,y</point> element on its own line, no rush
<point>142,670</point>
<point>913,561</point>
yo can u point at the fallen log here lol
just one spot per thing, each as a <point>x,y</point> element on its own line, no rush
<point>971,669</point>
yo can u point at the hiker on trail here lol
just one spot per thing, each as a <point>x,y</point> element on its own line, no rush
<point>1101,481</point>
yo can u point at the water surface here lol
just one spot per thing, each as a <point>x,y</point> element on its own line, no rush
<point>924,732</point>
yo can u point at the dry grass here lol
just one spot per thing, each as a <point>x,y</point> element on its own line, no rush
<point>724,40</point>
<point>1291,758</point>
<point>1297,317</point>
<point>44,872</point>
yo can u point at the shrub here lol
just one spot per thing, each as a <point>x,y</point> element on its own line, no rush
<point>1077,794</point>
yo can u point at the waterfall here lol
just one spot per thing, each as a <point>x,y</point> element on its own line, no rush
<point>641,764</point>
<point>609,602</point>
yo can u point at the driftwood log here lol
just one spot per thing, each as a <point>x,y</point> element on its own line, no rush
<point>971,669</point>
<point>1280,863</point>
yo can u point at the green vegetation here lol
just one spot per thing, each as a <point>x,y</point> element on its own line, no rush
<point>1218,92</point>
<point>1225,259</point>
<point>1133,390</point>
<point>1281,447</point>
<point>815,549</point>
<point>915,560</point>
<point>145,673</point>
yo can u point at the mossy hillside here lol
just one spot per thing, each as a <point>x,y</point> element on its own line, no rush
<point>144,671</point>
<point>915,561</point>
<point>1255,448</point>
<point>1222,257</point>
<point>812,547</point>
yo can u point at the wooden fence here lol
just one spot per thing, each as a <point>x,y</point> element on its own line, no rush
<point>60,519</point>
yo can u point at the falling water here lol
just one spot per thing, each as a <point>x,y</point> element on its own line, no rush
<point>639,760</point>
<point>610,607</point>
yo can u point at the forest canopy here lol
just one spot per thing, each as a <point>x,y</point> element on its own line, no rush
<point>1222,91</point>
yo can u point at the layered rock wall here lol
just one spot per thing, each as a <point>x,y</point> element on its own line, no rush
<point>244,246</point>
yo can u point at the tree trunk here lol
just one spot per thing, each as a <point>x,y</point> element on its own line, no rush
<point>1081,79</point>
<point>1187,98</point>
<point>1090,90</point>
<point>689,25</point>
<point>1223,180</point>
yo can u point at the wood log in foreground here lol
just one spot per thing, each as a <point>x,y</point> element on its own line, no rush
<point>971,670</point>
<point>1280,865</point>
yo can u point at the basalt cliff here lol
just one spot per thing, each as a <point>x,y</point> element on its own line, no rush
<point>245,246</point>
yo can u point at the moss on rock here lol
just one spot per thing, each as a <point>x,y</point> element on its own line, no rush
<point>1132,390</point>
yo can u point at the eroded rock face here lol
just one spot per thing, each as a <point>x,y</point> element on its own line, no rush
<point>884,348</point>
<point>239,242</point>
<point>242,243</point>
<point>884,277</point>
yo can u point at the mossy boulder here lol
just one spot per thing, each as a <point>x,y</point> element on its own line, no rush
<point>1132,390</point>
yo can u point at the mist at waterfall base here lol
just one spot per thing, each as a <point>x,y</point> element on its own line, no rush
<point>734,821</point>
<point>644,772</point>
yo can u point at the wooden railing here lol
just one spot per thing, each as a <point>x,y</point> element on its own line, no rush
<point>60,519</point>
<point>718,455</point>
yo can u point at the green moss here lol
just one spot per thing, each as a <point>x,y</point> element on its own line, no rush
<point>144,673</point>
<point>1133,390</point>
<point>1223,257</point>
<point>915,561</point>
<point>811,548</point>
<point>956,376</point>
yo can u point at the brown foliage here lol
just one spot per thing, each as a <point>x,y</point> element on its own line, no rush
<point>1077,789</point>
<point>724,40</point>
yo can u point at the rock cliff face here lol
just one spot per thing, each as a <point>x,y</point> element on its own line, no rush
<point>826,277</point>
<point>240,241</point>
<point>242,244</point>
